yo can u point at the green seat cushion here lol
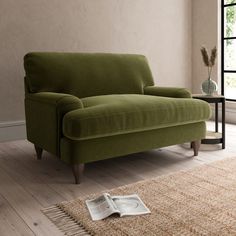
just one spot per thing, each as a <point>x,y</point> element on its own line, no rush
<point>109,115</point>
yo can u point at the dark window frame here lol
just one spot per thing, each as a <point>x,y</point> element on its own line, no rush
<point>223,40</point>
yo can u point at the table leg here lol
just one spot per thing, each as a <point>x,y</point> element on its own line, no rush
<point>223,124</point>
<point>216,117</point>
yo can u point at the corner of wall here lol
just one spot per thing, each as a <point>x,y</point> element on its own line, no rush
<point>205,31</point>
<point>192,37</point>
<point>219,44</point>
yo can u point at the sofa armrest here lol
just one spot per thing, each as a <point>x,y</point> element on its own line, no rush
<point>44,113</point>
<point>167,92</point>
<point>56,99</point>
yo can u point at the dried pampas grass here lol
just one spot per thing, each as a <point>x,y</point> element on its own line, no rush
<point>213,56</point>
<point>205,56</point>
<point>209,61</point>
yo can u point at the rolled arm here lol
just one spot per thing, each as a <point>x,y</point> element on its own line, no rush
<point>44,113</point>
<point>167,92</point>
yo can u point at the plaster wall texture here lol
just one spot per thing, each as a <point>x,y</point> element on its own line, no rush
<point>161,30</point>
<point>206,29</point>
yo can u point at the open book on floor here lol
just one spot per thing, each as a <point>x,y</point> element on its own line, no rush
<point>106,205</point>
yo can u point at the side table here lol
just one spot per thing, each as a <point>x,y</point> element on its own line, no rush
<point>218,137</point>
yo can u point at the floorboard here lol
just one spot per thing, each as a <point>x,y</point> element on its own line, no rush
<point>10,222</point>
<point>27,185</point>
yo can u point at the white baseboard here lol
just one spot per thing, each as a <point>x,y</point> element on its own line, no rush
<point>12,130</point>
<point>230,115</point>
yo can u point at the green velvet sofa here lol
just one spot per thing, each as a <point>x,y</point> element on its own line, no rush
<point>86,107</point>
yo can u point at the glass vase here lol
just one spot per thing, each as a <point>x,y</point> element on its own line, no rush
<point>209,87</point>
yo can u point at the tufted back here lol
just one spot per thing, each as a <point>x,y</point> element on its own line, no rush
<point>86,74</point>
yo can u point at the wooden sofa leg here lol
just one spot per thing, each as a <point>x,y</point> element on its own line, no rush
<point>196,145</point>
<point>78,172</point>
<point>39,152</point>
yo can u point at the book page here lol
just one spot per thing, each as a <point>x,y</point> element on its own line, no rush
<point>130,205</point>
<point>101,207</point>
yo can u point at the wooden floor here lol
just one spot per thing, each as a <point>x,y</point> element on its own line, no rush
<point>28,185</point>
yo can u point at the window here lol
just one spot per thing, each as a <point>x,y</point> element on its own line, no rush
<point>229,49</point>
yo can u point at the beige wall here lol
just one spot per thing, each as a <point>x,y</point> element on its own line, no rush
<point>159,29</point>
<point>205,32</point>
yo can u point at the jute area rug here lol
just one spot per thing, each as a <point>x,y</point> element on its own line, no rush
<point>200,201</point>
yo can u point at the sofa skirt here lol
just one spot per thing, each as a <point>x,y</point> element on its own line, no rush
<point>85,151</point>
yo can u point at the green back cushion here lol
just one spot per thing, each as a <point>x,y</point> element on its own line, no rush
<point>87,74</point>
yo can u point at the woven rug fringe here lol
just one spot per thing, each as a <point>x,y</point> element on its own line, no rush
<point>64,222</point>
